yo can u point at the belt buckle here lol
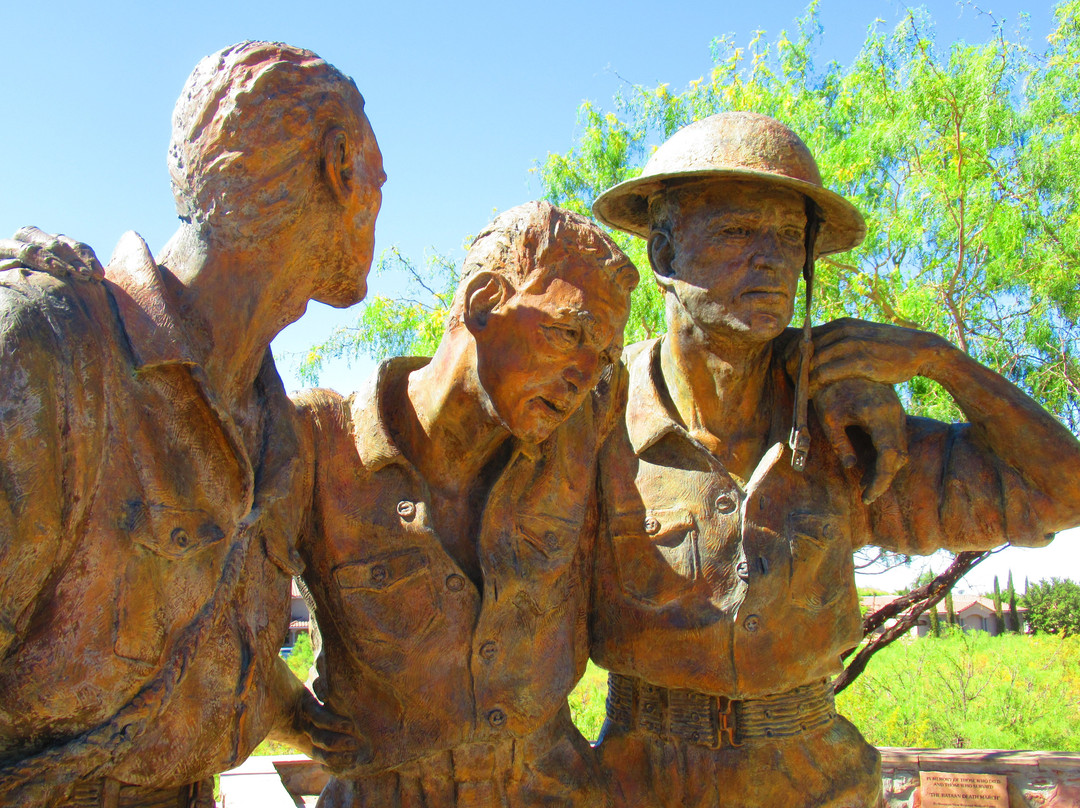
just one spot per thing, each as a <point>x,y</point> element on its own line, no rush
<point>725,723</point>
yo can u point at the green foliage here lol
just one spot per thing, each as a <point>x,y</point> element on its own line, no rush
<point>302,656</point>
<point>963,160</point>
<point>970,690</point>
<point>588,702</point>
<point>998,612</point>
<point>409,325</point>
<point>1014,618</point>
<point>1054,606</point>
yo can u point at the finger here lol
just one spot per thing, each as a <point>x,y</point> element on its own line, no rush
<point>889,462</point>
<point>836,434</point>
<point>336,741</point>
<point>854,365</point>
<point>80,255</point>
<point>79,258</point>
<point>32,235</point>
<point>324,718</point>
<point>33,256</point>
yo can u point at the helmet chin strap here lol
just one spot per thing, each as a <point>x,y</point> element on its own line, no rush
<point>799,441</point>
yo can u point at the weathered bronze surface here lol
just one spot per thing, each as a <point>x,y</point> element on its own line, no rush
<point>449,539</point>
<point>724,587</point>
<point>151,479</point>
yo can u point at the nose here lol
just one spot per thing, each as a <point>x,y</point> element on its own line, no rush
<point>767,250</point>
<point>581,369</point>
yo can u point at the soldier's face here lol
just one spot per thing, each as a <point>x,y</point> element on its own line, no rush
<point>542,351</point>
<point>346,283</point>
<point>738,254</point>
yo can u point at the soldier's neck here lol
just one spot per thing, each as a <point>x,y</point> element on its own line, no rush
<point>234,305</point>
<point>445,426</point>
<point>721,391</point>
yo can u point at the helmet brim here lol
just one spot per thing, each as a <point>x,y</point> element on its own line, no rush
<point>626,206</point>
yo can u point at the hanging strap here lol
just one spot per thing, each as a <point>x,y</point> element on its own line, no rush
<point>799,441</point>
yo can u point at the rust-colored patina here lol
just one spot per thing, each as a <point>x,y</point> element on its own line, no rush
<point>725,592</point>
<point>450,535</point>
<point>152,485</point>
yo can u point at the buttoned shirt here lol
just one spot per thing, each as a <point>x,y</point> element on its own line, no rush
<point>420,657</point>
<point>746,588</point>
<point>146,557</point>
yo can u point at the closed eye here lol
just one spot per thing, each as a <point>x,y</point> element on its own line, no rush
<point>561,336</point>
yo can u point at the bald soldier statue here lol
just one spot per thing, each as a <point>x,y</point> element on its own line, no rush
<point>724,582</point>
<point>151,479</point>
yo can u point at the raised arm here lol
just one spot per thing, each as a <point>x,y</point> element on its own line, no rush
<point>1004,420</point>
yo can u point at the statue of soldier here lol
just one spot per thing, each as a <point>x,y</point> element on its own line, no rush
<point>724,586</point>
<point>152,483</point>
<point>449,545</point>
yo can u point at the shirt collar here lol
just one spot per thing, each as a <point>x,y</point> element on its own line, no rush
<point>146,309</point>
<point>650,415</point>
<point>375,444</point>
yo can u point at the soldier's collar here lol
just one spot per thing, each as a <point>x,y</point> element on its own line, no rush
<point>153,329</point>
<point>648,412</point>
<point>375,444</point>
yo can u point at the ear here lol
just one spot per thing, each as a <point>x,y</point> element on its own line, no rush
<point>337,162</point>
<point>484,293</point>
<point>661,257</point>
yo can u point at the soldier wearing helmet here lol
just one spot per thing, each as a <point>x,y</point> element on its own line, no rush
<point>725,592</point>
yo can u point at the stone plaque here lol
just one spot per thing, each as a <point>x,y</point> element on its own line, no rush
<point>963,790</point>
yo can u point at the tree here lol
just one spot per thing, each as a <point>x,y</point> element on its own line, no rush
<point>964,161</point>
<point>1054,606</point>
<point>998,613</point>
<point>1014,618</point>
<point>950,610</point>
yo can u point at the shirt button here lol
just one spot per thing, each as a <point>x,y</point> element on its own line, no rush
<point>488,650</point>
<point>652,526</point>
<point>496,718</point>
<point>455,583</point>
<point>180,537</point>
<point>551,541</point>
<point>378,574</point>
<point>406,509</point>
<point>727,503</point>
<point>752,623</point>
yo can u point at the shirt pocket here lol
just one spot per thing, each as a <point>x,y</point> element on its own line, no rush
<point>390,596</point>
<point>820,559</point>
<point>546,547</point>
<point>656,553</point>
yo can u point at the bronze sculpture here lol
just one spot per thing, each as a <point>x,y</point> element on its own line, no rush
<point>448,544</point>
<point>724,580</point>
<point>151,480</point>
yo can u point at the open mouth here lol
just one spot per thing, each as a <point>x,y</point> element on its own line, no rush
<point>556,408</point>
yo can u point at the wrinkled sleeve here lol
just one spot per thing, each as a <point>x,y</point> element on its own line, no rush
<point>51,430</point>
<point>954,494</point>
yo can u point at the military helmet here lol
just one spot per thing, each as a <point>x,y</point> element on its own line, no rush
<point>727,147</point>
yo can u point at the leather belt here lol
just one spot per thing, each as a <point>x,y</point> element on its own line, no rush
<point>108,793</point>
<point>716,721</point>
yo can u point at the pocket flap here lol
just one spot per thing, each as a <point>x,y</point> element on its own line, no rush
<point>382,571</point>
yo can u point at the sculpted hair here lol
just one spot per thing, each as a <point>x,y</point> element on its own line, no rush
<point>530,244</point>
<point>247,133</point>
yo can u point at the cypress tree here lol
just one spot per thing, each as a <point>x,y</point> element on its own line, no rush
<point>950,612</point>
<point>997,607</point>
<point>1014,619</point>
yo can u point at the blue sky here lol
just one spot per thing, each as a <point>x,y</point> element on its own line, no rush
<point>465,100</point>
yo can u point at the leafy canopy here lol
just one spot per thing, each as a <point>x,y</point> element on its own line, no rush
<point>964,161</point>
<point>1054,607</point>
